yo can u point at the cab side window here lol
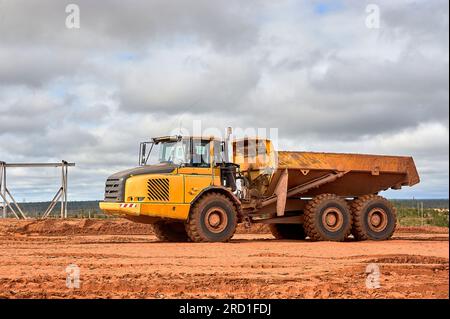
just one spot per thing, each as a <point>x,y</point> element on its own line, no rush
<point>219,153</point>
<point>200,153</point>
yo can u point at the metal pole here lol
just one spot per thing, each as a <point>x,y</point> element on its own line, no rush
<point>3,190</point>
<point>7,203</point>
<point>15,203</point>
<point>66,171</point>
<point>418,212</point>
<point>63,190</point>
<point>421,209</point>
<point>53,203</point>
<point>1,183</point>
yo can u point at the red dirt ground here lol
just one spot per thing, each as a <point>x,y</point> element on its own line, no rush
<point>119,259</point>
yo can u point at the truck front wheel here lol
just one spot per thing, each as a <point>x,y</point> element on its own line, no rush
<point>327,217</point>
<point>374,217</point>
<point>213,218</point>
<point>170,231</point>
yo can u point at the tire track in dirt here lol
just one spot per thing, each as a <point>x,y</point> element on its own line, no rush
<point>413,265</point>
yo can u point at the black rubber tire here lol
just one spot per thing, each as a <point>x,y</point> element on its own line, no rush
<point>360,210</point>
<point>287,231</point>
<point>313,222</point>
<point>196,227</point>
<point>170,231</point>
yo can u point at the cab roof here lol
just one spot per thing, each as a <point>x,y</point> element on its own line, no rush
<point>174,138</point>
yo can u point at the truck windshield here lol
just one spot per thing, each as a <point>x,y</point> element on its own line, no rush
<point>184,152</point>
<point>174,152</point>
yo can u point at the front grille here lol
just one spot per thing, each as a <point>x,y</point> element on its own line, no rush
<point>158,189</point>
<point>114,190</point>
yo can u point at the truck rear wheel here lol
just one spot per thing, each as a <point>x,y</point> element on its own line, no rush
<point>213,218</point>
<point>374,217</point>
<point>170,231</point>
<point>287,231</point>
<point>327,217</point>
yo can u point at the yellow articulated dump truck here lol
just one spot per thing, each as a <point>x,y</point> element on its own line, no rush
<point>198,189</point>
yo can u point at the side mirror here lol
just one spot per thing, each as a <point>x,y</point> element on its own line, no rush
<point>142,154</point>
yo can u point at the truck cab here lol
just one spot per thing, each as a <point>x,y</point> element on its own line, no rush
<point>173,173</point>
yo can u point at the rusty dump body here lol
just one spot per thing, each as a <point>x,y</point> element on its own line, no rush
<point>362,174</point>
<point>295,175</point>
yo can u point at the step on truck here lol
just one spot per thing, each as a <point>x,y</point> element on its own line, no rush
<point>198,189</point>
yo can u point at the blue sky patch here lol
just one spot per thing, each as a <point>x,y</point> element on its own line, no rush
<point>326,7</point>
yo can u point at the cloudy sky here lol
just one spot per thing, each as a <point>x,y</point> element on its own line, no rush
<point>136,69</point>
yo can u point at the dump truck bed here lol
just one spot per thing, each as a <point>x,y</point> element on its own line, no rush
<point>364,174</point>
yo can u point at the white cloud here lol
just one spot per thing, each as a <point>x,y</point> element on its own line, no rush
<point>139,69</point>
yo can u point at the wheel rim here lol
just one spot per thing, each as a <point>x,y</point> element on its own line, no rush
<point>377,219</point>
<point>332,219</point>
<point>216,220</point>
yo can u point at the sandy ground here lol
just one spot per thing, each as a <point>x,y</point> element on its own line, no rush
<point>34,257</point>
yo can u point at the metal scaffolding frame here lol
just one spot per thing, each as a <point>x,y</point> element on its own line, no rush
<point>11,204</point>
